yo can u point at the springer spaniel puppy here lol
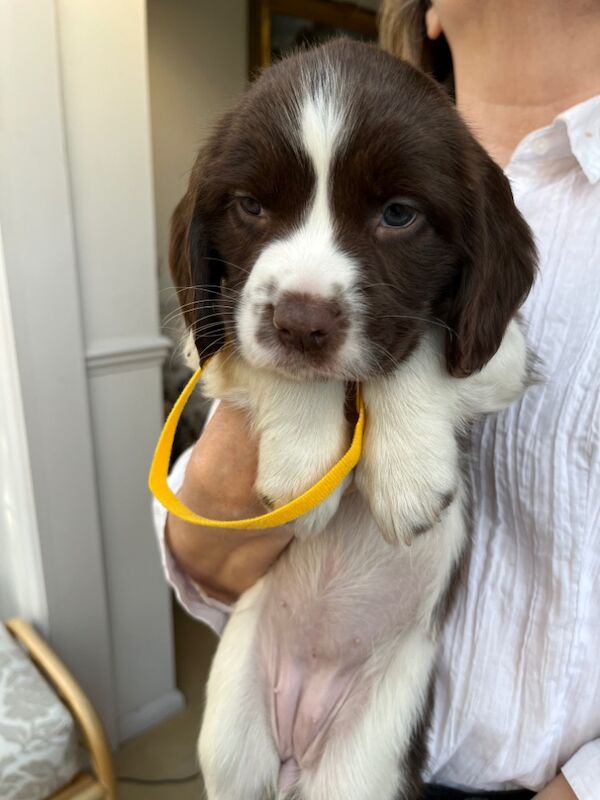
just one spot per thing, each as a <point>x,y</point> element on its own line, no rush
<point>343,225</point>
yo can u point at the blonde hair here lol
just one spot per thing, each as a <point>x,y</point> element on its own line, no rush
<point>402,33</point>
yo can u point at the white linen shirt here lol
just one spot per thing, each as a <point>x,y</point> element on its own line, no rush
<point>518,677</point>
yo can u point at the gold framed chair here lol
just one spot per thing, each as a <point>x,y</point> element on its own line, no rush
<point>100,783</point>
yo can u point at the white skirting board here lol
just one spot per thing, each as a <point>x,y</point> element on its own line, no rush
<point>141,719</point>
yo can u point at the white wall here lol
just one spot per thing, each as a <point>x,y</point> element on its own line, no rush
<point>76,215</point>
<point>198,66</point>
<point>22,589</point>
<point>42,279</point>
<point>103,60</point>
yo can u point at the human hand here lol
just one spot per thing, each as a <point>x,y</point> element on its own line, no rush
<point>557,789</point>
<point>219,484</point>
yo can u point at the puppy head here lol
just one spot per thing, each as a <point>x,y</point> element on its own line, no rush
<point>337,213</point>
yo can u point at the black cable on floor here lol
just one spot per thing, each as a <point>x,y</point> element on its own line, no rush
<point>159,781</point>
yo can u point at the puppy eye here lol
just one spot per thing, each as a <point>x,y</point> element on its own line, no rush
<point>398,215</point>
<point>250,205</point>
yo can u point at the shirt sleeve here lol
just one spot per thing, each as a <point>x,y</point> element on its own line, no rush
<point>582,771</point>
<point>188,593</point>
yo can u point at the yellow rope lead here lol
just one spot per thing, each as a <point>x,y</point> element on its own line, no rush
<point>157,479</point>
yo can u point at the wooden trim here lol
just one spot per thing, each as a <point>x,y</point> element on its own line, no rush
<point>82,787</point>
<point>74,698</point>
<point>253,37</point>
<point>336,15</point>
<point>265,34</point>
<point>259,31</point>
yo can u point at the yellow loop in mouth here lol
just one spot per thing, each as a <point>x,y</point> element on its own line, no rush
<point>157,479</point>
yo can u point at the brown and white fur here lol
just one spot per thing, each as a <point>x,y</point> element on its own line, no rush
<point>342,224</point>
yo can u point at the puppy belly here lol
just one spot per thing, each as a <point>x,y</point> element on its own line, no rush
<point>307,699</point>
<point>338,607</point>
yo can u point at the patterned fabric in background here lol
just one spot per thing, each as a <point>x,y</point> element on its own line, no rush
<point>39,751</point>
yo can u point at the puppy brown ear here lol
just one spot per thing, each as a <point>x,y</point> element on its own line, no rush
<point>196,272</point>
<point>498,270</point>
<point>179,262</point>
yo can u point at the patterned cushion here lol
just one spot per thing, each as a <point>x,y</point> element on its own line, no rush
<point>38,739</point>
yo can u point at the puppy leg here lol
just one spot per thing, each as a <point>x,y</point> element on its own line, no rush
<point>409,470</point>
<point>410,466</point>
<point>236,748</point>
<point>503,379</point>
<point>369,751</point>
<point>302,433</point>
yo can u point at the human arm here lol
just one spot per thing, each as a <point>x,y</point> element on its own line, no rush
<point>209,568</point>
<point>557,789</point>
<point>582,773</point>
<point>578,779</point>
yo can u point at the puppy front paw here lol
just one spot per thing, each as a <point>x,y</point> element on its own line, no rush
<point>404,508</point>
<point>302,433</point>
<point>315,520</point>
<point>408,488</point>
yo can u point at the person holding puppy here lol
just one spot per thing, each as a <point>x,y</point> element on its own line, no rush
<point>518,686</point>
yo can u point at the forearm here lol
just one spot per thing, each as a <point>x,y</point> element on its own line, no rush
<point>558,789</point>
<point>224,562</point>
<point>219,483</point>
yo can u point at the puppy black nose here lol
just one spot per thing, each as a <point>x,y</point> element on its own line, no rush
<point>303,322</point>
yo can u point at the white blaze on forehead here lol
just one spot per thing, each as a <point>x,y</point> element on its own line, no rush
<point>322,128</point>
<point>309,260</point>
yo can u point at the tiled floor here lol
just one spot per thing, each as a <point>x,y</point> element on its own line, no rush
<point>169,750</point>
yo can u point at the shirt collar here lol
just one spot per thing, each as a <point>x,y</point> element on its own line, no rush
<point>574,132</point>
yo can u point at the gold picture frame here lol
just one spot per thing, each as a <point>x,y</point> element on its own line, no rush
<point>309,20</point>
